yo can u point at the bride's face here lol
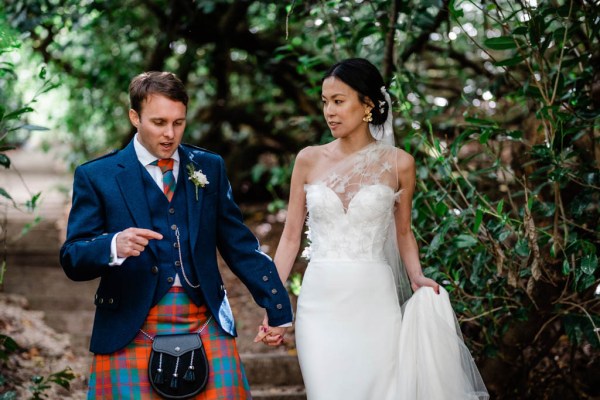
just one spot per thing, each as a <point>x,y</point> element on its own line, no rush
<point>342,109</point>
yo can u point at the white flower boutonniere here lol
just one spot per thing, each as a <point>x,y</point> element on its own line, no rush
<point>197,178</point>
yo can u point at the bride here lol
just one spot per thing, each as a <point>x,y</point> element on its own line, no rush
<point>360,331</point>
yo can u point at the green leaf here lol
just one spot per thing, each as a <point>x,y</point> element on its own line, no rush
<point>463,241</point>
<point>62,378</point>
<point>441,209</point>
<point>566,267</point>
<point>4,161</point>
<point>521,30</point>
<point>481,122</point>
<point>34,128</point>
<point>500,43</point>
<point>509,62</point>
<point>485,136</point>
<point>17,114</point>
<point>4,193</point>
<point>455,13</point>
<point>478,219</point>
<point>500,206</point>
<point>589,263</point>
<point>32,203</point>
<point>10,395</point>
<point>522,248</point>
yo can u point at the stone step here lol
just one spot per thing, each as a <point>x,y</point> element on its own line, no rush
<point>278,392</point>
<point>272,369</point>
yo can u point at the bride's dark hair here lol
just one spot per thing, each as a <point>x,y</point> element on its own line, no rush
<point>365,78</point>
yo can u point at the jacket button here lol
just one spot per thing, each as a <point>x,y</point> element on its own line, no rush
<point>155,270</point>
<point>176,245</point>
<point>171,210</point>
<point>170,279</point>
<point>274,291</point>
<point>101,301</point>
<point>110,301</point>
<point>178,263</point>
<point>265,278</point>
<point>279,306</point>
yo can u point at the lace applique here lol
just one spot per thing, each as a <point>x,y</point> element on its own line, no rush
<point>350,210</point>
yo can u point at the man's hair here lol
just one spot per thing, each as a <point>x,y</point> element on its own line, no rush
<point>155,82</point>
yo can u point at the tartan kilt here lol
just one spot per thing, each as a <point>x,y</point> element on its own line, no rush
<point>124,373</point>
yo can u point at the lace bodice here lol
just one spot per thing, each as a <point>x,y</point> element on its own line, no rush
<point>358,232</point>
<point>351,207</point>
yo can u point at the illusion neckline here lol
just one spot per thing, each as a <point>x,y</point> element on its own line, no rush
<point>359,191</point>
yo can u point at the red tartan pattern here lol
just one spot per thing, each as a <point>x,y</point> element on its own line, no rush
<point>124,374</point>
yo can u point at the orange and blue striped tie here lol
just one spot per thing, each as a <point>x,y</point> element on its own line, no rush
<point>166,166</point>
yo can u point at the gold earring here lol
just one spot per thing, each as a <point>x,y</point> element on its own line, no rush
<point>368,116</point>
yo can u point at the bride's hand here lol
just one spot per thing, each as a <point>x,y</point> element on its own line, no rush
<point>422,280</point>
<point>270,335</point>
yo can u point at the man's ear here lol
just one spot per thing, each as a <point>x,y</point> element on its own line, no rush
<point>134,117</point>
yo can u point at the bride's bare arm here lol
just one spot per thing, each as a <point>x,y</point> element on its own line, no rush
<point>407,244</point>
<point>290,240</point>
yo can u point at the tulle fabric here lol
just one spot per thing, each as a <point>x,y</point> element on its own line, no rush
<point>434,362</point>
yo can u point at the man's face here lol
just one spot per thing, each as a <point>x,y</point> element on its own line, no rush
<point>160,125</point>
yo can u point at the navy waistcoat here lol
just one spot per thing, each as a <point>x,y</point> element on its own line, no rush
<point>166,219</point>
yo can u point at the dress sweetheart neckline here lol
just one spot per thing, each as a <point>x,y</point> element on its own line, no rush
<point>341,203</point>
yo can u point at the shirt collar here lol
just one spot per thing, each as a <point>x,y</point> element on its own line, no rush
<point>144,155</point>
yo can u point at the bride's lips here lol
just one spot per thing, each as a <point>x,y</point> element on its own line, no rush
<point>333,125</point>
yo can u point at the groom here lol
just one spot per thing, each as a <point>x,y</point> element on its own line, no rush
<point>148,220</point>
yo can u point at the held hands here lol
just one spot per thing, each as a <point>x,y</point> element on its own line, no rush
<point>270,335</point>
<point>421,281</point>
<point>132,241</point>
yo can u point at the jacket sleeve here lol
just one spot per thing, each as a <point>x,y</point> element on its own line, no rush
<point>241,251</point>
<point>85,255</point>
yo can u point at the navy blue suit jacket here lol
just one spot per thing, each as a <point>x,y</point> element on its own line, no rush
<point>108,197</point>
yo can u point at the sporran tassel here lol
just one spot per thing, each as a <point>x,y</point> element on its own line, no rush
<point>158,377</point>
<point>190,376</point>
<point>174,381</point>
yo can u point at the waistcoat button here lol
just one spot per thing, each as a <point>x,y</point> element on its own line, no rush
<point>174,227</point>
<point>177,263</point>
<point>265,278</point>
<point>155,270</point>
<point>170,280</point>
<point>171,211</point>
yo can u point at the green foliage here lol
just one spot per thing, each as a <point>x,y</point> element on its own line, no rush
<point>41,384</point>
<point>295,283</point>
<point>497,101</point>
<point>7,347</point>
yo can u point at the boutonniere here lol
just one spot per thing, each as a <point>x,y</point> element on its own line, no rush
<point>197,178</point>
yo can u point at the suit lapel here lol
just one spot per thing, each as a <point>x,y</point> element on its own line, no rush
<point>194,206</point>
<point>131,188</point>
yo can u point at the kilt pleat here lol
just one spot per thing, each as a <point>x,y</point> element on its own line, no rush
<point>124,373</point>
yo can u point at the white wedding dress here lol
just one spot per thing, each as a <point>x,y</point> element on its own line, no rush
<point>353,341</point>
